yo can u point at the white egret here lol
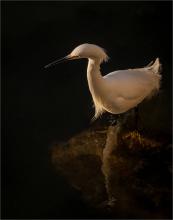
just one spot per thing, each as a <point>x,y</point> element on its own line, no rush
<point>118,91</point>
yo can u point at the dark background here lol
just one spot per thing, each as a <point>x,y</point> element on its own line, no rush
<point>43,106</point>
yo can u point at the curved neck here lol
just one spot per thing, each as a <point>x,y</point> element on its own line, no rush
<point>96,82</point>
<point>93,73</point>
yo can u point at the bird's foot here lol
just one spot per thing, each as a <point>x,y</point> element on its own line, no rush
<point>112,120</point>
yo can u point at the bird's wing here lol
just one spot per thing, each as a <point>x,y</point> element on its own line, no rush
<point>129,84</point>
<point>127,103</point>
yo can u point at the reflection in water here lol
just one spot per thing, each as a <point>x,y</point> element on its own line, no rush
<point>121,173</point>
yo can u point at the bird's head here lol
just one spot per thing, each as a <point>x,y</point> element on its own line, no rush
<point>89,51</point>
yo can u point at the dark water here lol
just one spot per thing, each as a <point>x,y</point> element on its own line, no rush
<point>40,107</point>
<point>120,173</point>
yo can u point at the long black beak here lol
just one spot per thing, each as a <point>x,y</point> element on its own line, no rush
<point>57,61</point>
<point>66,58</point>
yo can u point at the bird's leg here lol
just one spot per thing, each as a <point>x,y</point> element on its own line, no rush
<point>116,119</point>
<point>119,119</point>
<point>112,120</point>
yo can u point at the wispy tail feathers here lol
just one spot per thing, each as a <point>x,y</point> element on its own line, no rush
<point>156,66</point>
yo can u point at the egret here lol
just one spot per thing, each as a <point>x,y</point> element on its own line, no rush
<point>118,91</point>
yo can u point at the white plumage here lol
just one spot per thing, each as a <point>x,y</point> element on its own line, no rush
<point>118,91</point>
